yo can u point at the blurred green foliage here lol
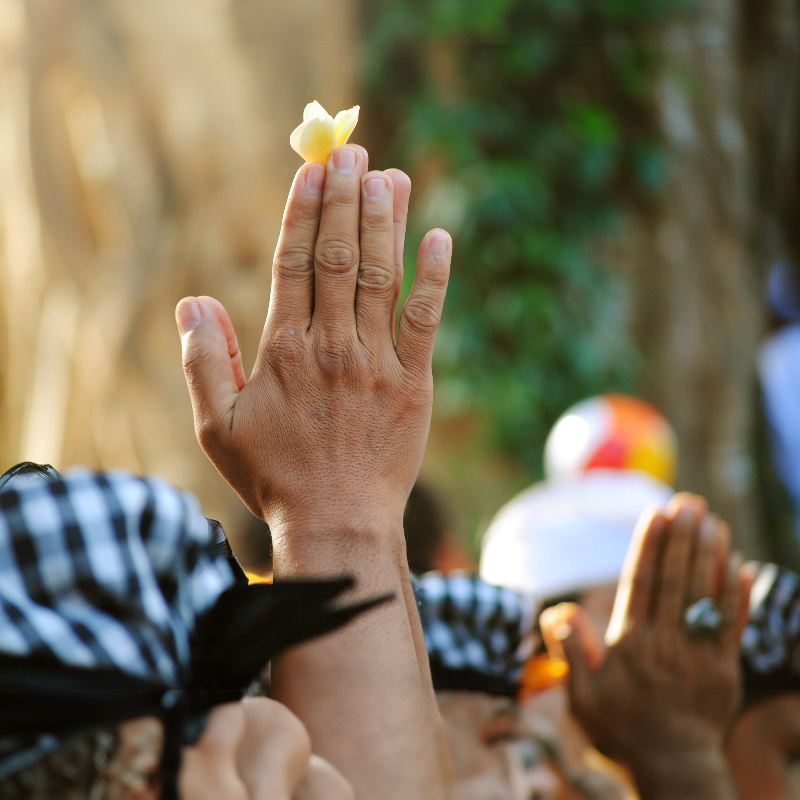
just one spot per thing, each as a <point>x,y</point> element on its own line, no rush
<point>530,127</point>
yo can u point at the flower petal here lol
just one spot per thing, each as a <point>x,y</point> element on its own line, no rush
<point>313,110</point>
<point>314,139</point>
<point>296,136</point>
<point>345,123</point>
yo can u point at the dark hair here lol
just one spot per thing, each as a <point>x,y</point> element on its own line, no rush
<point>76,771</point>
<point>425,524</point>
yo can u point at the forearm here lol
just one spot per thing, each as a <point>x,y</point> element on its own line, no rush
<point>364,692</point>
<point>700,775</point>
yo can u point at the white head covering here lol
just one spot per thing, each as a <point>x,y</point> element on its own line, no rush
<point>563,537</point>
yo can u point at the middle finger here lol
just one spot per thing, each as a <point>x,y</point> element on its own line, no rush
<point>337,253</point>
<point>711,543</point>
<point>682,533</point>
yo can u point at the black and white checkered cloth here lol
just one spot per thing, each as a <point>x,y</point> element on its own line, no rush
<point>118,599</point>
<point>478,636</point>
<point>770,652</point>
<point>105,571</point>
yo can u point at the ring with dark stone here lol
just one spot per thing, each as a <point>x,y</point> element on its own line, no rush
<point>703,619</point>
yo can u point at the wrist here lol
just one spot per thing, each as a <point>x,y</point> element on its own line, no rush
<point>369,546</point>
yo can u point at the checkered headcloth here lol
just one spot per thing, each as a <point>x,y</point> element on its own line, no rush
<point>105,571</point>
<point>478,636</point>
<point>770,652</point>
<point>116,602</point>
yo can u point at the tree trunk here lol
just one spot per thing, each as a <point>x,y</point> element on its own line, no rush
<point>144,156</point>
<point>729,109</point>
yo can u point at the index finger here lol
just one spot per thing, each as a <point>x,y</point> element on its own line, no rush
<point>634,602</point>
<point>292,293</point>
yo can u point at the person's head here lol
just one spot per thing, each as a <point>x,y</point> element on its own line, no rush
<point>122,628</point>
<point>498,753</point>
<point>568,539</point>
<point>606,460</point>
<point>479,638</point>
<point>763,747</point>
<point>114,762</point>
<point>783,292</point>
<point>426,526</point>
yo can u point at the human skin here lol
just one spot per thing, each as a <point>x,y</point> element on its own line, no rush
<point>249,750</point>
<point>763,750</point>
<point>553,705</point>
<point>257,749</point>
<point>324,442</point>
<point>496,756</point>
<point>655,698</point>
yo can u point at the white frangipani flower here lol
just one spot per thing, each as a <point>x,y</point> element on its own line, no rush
<point>319,132</point>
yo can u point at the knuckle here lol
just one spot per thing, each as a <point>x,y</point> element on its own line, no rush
<point>196,360</point>
<point>437,276</point>
<point>336,256</point>
<point>334,357</point>
<point>376,223</point>
<point>287,347</point>
<point>293,262</point>
<point>209,435</point>
<point>422,314</point>
<point>276,726</point>
<point>342,198</point>
<point>293,731</point>
<point>374,275</point>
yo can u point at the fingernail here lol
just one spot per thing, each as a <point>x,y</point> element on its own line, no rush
<point>376,188</point>
<point>562,632</point>
<point>438,246</point>
<point>315,180</point>
<point>189,316</point>
<point>553,616</point>
<point>344,160</point>
<point>708,528</point>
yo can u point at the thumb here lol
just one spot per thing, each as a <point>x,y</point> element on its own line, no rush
<point>570,635</point>
<point>212,363</point>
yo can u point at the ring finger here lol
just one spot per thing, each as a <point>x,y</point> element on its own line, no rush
<point>704,581</point>
<point>376,272</point>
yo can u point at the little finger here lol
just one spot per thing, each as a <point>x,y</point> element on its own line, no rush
<point>731,604</point>
<point>423,309</point>
<point>402,194</point>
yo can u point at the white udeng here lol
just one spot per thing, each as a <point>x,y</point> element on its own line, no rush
<point>319,132</point>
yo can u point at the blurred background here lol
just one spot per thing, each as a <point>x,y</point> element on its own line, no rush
<point>619,177</point>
